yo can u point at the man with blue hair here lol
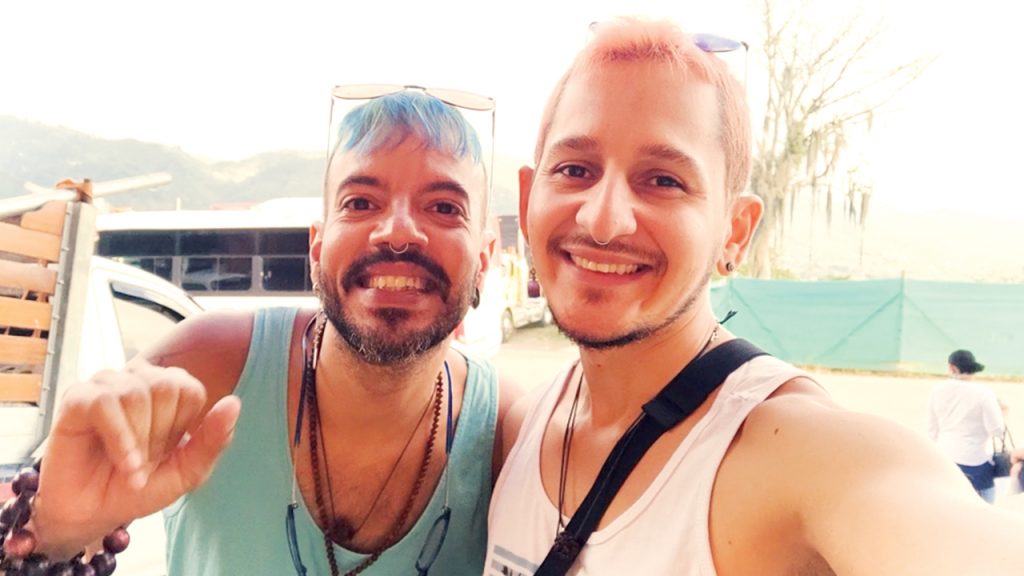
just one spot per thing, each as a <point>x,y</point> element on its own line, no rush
<point>335,429</point>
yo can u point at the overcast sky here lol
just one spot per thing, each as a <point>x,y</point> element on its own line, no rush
<point>226,80</point>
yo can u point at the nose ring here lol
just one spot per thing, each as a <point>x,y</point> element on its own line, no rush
<point>405,248</point>
<point>599,243</point>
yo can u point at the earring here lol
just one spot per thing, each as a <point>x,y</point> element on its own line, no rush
<point>475,300</point>
<point>532,286</point>
<point>729,267</point>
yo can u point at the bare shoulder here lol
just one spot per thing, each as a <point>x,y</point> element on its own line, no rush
<point>851,491</point>
<point>834,450</point>
<point>801,421</point>
<point>512,421</point>
<point>509,394</point>
<point>527,399</point>
<point>212,346</point>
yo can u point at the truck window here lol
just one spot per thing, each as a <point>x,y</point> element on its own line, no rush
<point>141,321</point>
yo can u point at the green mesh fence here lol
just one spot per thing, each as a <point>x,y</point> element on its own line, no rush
<point>887,325</point>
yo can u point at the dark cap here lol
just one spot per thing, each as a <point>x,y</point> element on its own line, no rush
<point>965,362</point>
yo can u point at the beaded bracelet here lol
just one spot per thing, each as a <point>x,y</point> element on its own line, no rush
<point>17,544</point>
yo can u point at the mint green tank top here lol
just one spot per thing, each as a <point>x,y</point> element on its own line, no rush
<point>235,523</point>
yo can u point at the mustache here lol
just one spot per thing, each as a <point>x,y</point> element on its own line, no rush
<point>361,266</point>
<point>615,245</point>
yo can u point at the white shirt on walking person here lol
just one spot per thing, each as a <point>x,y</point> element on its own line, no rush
<point>963,417</point>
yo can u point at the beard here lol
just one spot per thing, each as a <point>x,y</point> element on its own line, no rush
<point>638,333</point>
<point>391,345</point>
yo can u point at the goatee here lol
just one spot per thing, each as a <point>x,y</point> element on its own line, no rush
<point>393,345</point>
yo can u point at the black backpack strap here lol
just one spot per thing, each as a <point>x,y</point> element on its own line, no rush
<point>684,394</point>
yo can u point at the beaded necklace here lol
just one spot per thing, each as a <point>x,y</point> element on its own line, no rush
<point>316,438</point>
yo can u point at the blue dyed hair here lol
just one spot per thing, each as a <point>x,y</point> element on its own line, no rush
<point>385,122</point>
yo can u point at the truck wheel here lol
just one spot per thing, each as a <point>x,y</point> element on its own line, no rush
<point>508,327</point>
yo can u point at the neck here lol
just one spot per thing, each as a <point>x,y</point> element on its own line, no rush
<point>360,394</point>
<point>619,381</point>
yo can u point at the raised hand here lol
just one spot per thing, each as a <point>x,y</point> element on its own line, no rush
<point>125,445</point>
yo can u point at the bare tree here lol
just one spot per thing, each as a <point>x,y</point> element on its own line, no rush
<point>823,91</point>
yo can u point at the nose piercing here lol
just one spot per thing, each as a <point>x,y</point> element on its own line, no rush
<point>405,247</point>
<point>599,243</point>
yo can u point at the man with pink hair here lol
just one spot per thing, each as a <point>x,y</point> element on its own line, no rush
<point>672,447</point>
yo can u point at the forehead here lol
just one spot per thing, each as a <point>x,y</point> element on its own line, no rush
<point>661,107</point>
<point>408,165</point>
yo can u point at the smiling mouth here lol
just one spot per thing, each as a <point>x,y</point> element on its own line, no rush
<point>617,269</point>
<point>398,283</point>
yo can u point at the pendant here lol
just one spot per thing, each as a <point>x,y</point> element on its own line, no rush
<point>566,546</point>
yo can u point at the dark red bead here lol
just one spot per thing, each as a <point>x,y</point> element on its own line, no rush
<point>25,479</point>
<point>10,512</point>
<point>61,569</point>
<point>35,565</point>
<point>117,541</point>
<point>84,569</point>
<point>17,511</point>
<point>104,563</point>
<point>20,543</point>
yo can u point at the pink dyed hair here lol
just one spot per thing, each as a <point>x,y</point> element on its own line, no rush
<point>638,40</point>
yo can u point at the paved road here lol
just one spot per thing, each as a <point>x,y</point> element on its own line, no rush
<point>535,355</point>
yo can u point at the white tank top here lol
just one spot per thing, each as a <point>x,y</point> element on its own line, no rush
<point>666,530</point>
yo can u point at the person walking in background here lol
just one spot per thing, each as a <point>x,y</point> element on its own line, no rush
<point>963,417</point>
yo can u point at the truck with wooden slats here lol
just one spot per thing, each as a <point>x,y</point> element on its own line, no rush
<point>64,315</point>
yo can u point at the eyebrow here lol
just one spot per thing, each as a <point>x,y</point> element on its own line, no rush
<point>575,144</point>
<point>656,151</point>
<point>448,186</point>
<point>359,179</point>
<point>436,186</point>
<point>670,154</point>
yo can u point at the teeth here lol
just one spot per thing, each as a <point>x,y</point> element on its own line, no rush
<point>396,283</point>
<point>620,269</point>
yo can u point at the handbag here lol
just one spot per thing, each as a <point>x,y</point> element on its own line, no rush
<point>1001,455</point>
<point>677,400</point>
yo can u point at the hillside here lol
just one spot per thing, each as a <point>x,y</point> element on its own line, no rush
<point>940,245</point>
<point>33,152</point>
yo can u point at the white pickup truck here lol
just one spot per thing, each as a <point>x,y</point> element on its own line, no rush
<point>64,315</point>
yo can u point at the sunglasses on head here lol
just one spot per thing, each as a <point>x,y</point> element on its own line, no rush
<point>710,43</point>
<point>715,44</point>
<point>457,98</point>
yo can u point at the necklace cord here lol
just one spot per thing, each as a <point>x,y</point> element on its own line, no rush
<point>615,456</point>
<point>309,395</point>
<point>563,472</point>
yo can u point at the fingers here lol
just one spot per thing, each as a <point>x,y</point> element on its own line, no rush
<point>137,415</point>
<point>118,436</point>
<point>194,461</point>
<point>178,399</point>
